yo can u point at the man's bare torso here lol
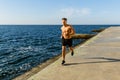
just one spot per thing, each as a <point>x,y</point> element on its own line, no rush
<point>66,31</point>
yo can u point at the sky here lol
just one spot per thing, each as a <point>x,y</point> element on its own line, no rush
<point>51,11</point>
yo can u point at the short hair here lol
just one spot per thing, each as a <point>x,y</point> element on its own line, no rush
<point>64,19</point>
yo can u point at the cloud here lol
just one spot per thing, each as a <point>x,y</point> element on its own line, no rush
<point>72,12</point>
<point>84,11</point>
<point>67,11</point>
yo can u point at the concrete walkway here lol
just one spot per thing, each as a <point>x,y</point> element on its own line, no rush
<point>97,59</point>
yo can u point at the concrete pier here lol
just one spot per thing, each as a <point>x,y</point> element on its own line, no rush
<point>96,59</point>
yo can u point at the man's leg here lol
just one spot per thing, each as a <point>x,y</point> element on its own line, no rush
<point>72,52</point>
<point>63,54</point>
<point>70,46</point>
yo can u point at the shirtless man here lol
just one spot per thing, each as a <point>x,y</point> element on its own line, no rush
<point>67,32</point>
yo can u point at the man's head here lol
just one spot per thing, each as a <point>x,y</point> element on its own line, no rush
<point>64,21</point>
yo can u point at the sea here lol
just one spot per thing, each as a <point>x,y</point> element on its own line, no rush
<point>23,47</point>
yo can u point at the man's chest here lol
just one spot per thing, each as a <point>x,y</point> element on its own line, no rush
<point>66,29</point>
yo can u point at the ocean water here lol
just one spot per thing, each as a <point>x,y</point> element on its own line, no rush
<point>23,47</point>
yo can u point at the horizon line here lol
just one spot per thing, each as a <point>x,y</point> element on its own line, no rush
<point>59,24</point>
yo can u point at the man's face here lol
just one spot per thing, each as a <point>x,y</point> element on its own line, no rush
<point>64,22</point>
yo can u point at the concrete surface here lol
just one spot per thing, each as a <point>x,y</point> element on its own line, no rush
<point>97,59</point>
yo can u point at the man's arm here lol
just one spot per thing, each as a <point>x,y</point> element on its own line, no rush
<point>72,31</point>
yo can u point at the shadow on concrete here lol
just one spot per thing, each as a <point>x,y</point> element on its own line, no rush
<point>107,60</point>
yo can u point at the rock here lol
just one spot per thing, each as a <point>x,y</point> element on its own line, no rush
<point>82,36</point>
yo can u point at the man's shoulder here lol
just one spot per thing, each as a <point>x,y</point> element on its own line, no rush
<point>70,26</point>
